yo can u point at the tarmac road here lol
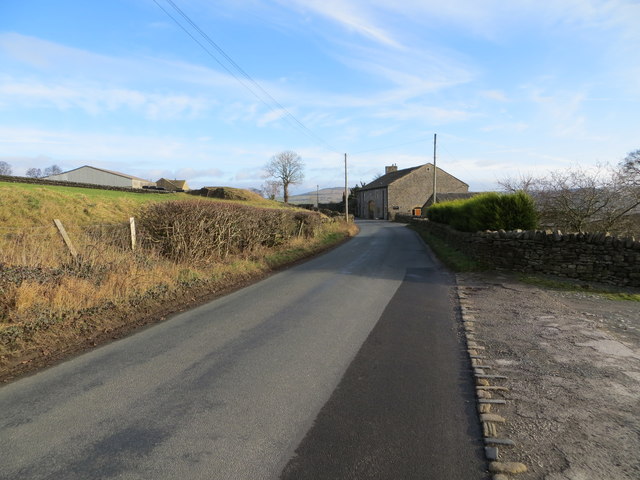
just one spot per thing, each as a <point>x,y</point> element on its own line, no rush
<point>245,386</point>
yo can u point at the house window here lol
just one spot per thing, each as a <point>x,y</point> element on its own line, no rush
<point>416,212</point>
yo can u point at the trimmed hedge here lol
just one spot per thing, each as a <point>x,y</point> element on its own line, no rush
<point>488,211</point>
<point>206,231</point>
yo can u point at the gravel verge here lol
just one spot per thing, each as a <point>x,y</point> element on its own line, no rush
<point>572,362</point>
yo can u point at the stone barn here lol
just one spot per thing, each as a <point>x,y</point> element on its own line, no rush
<point>404,191</point>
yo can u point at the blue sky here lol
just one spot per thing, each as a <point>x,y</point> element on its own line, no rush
<point>510,88</point>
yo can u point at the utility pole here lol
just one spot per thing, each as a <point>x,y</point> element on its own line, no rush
<point>346,192</point>
<point>434,169</point>
<point>317,196</point>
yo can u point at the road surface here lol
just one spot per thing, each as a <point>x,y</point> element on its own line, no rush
<point>350,362</point>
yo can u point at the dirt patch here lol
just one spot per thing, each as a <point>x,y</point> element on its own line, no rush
<point>573,367</point>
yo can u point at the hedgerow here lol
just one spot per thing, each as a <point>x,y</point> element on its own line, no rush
<point>488,211</point>
<point>198,230</point>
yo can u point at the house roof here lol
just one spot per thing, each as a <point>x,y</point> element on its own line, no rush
<point>107,171</point>
<point>387,179</point>
<point>447,197</point>
<point>177,183</point>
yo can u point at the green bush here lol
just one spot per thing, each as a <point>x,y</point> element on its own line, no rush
<point>488,211</point>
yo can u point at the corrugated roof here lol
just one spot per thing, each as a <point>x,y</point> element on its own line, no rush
<point>387,179</point>
<point>107,171</point>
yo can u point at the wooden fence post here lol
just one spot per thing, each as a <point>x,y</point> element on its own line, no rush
<point>66,238</point>
<point>132,225</point>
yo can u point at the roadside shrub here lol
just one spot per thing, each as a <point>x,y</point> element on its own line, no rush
<point>489,211</point>
<point>206,231</point>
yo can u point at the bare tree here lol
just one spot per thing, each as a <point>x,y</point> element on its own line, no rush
<point>579,200</point>
<point>34,173</point>
<point>524,182</point>
<point>52,170</point>
<point>287,169</point>
<point>270,189</point>
<point>631,167</point>
<point>5,168</point>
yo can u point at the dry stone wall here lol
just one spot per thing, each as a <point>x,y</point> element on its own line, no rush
<point>44,181</point>
<point>585,256</point>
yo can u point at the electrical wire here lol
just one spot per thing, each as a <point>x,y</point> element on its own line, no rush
<point>239,72</point>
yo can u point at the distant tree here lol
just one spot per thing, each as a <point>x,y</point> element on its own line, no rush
<point>5,168</point>
<point>525,183</point>
<point>577,200</point>
<point>631,167</point>
<point>287,169</point>
<point>52,170</point>
<point>353,197</point>
<point>270,189</point>
<point>34,173</point>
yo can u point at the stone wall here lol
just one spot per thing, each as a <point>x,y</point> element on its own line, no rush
<point>60,183</point>
<point>372,203</point>
<point>586,256</point>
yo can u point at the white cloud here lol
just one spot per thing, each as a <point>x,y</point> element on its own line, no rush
<point>271,117</point>
<point>354,16</point>
<point>426,114</point>
<point>99,100</point>
<point>496,95</point>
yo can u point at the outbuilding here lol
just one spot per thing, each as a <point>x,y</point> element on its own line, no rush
<point>100,176</point>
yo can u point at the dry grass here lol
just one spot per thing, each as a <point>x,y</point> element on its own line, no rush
<point>48,300</point>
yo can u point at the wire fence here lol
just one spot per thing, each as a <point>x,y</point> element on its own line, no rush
<point>56,243</point>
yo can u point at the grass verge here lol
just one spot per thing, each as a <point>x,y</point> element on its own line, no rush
<point>454,259</point>
<point>50,312</point>
<point>577,286</point>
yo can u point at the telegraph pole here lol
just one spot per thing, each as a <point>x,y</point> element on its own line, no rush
<point>346,192</point>
<point>434,169</point>
<point>318,196</point>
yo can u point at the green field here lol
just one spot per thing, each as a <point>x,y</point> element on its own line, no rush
<point>31,205</point>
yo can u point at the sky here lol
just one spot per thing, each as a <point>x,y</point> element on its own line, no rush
<point>510,88</point>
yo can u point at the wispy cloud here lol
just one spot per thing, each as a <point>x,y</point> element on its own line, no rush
<point>354,16</point>
<point>497,95</point>
<point>98,100</point>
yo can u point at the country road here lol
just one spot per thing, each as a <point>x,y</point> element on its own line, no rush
<point>347,366</point>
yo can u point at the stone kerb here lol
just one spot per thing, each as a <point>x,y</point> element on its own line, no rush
<point>586,256</point>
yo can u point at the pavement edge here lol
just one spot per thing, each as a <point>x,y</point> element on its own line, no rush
<point>491,393</point>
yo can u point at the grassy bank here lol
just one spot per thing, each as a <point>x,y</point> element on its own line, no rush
<point>452,258</point>
<point>32,205</point>
<point>52,305</point>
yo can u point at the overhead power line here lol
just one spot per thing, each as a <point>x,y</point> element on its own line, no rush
<point>238,73</point>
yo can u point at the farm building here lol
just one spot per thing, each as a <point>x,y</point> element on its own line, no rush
<point>173,185</point>
<point>404,191</point>
<point>99,176</point>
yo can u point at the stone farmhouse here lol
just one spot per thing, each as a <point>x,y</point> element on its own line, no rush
<point>405,192</point>
<point>99,176</point>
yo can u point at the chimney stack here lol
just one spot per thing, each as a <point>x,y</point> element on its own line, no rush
<point>389,169</point>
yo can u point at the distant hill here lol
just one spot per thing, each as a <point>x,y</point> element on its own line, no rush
<point>325,195</point>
